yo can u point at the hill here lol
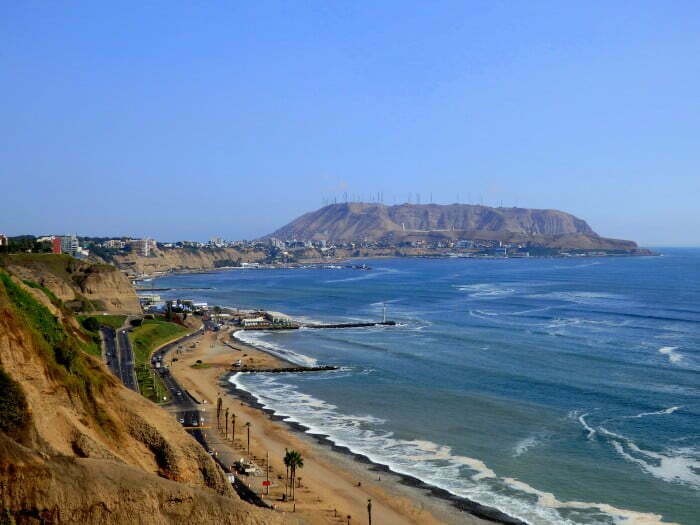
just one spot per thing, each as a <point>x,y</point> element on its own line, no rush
<point>76,446</point>
<point>363,222</point>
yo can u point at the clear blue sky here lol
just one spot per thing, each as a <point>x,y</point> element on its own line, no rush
<point>184,120</point>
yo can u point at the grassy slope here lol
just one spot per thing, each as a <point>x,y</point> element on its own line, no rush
<point>64,267</point>
<point>144,340</point>
<point>115,321</point>
<point>59,347</point>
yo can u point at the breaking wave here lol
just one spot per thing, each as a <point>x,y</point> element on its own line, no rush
<point>253,338</point>
<point>430,462</point>
<point>673,356</point>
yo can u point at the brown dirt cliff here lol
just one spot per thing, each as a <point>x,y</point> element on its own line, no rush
<point>78,447</point>
<point>81,285</point>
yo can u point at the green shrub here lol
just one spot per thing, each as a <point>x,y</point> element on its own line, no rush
<point>91,324</point>
<point>14,411</point>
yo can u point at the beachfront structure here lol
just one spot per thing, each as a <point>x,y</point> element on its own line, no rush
<point>278,318</point>
<point>254,322</point>
<point>149,298</point>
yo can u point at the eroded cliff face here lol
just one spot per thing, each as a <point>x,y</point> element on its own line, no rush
<point>78,447</point>
<point>83,286</point>
<point>185,259</point>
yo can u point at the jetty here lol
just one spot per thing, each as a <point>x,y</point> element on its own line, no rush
<point>149,289</point>
<point>283,370</point>
<point>350,325</point>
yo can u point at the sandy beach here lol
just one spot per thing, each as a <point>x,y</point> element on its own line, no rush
<point>334,485</point>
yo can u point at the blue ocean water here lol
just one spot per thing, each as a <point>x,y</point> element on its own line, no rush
<point>557,390</point>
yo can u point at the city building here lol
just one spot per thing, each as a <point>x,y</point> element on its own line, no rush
<point>56,245</point>
<point>143,247</point>
<point>276,243</point>
<point>69,244</point>
<point>114,243</point>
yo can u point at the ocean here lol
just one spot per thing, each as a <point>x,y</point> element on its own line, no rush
<point>560,391</point>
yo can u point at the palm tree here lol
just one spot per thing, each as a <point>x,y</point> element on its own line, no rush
<point>233,427</point>
<point>286,474</point>
<point>218,412</point>
<point>295,462</point>
<point>248,427</point>
<point>226,420</point>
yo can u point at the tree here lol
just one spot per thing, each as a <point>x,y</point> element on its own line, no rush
<point>295,461</point>
<point>286,474</point>
<point>226,420</point>
<point>91,324</point>
<point>248,428</point>
<point>168,310</point>
<point>218,412</point>
<point>233,427</point>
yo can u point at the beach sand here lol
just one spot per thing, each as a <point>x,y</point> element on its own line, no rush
<point>334,485</point>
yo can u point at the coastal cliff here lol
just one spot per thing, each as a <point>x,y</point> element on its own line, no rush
<point>76,446</point>
<point>82,286</point>
<point>163,260</point>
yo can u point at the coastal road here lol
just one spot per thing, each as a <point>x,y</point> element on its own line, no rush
<point>126,360</point>
<point>111,355</point>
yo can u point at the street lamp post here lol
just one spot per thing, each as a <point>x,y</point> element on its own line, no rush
<point>248,428</point>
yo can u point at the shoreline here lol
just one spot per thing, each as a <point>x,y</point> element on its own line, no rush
<point>462,504</point>
<point>195,271</point>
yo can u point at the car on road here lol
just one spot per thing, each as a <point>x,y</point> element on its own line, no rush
<point>182,421</point>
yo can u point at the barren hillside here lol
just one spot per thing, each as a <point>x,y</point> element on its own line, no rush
<point>352,222</point>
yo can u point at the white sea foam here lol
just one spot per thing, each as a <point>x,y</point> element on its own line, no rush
<point>673,356</point>
<point>522,446</point>
<point>581,297</point>
<point>628,517</point>
<point>586,426</point>
<point>575,266</point>
<point>486,290</point>
<point>366,274</point>
<point>253,338</point>
<point>663,412</point>
<point>433,463</point>
<point>678,465</point>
